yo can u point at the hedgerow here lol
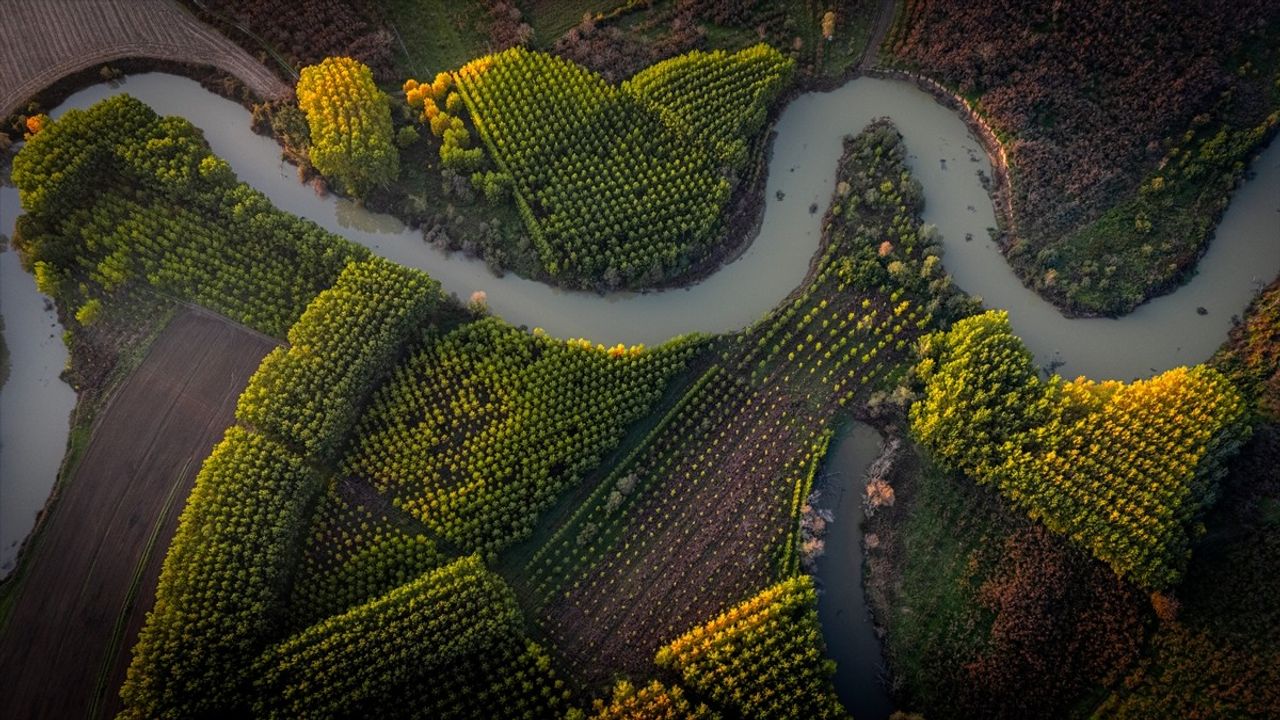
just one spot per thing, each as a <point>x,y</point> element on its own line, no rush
<point>309,394</point>
<point>223,587</point>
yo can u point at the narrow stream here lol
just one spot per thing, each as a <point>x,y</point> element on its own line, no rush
<point>842,609</point>
<point>1166,332</point>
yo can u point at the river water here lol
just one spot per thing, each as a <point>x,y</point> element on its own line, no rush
<point>944,156</point>
<point>842,609</point>
<point>34,403</point>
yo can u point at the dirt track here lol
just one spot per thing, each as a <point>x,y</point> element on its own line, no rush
<point>41,42</point>
<point>107,535</point>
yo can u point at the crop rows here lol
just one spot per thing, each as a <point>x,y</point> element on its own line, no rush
<point>654,701</point>
<point>222,590</point>
<point>720,98</point>
<point>358,550</point>
<point>223,593</point>
<point>706,509</point>
<point>608,186</point>
<point>617,188</point>
<point>1123,469</point>
<point>349,337</point>
<point>49,41</point>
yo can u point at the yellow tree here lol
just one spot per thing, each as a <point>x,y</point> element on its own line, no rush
<point>350,123</point>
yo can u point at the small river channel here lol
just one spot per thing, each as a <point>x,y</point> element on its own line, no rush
<point>1166,332</point>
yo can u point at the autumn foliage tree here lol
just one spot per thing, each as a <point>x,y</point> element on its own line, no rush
<point>350,122</point>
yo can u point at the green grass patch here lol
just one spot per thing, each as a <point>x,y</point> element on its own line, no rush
<point>946,539</point>
<point>552,18</point>
<point>436,36</point>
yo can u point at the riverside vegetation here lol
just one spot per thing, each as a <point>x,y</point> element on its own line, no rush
<point>620,186</point>
<point>422,509</point>
<point>1113,200</point>
<point>363,377</point>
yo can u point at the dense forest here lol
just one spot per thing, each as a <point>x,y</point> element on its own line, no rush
<point>1113,198</point>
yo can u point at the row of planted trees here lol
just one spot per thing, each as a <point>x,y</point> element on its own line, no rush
<point>617,185</point>
<point>448,644</point>
<point>763,658</point>
<point>479,430</point>
<point>309,394</point>
<point>708,504</point>
<point>116,196</point>
<point>355,553</point>
<point>223,591</point>
<point>1126,470</point>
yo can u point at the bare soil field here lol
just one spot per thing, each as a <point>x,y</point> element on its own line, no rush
<point>41,42</point>
<point>702,539</point>
<point>93,570</point>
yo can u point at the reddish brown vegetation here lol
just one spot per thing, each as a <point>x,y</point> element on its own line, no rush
<point>1063,622</point>
<point>1221,657</point>
<point>720,12</point>
<point>1088,89</point>
<point>1251,356</point>
<point>618,54</point>
<point>308,31</point>
<point>507,27</point>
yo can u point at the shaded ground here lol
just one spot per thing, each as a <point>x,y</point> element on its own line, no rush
<point>44,41</point>
<point>93,572</point>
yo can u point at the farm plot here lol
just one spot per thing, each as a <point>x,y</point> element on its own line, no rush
<point>94,569</point>
<point>705,512</point>
<point>43,42</point>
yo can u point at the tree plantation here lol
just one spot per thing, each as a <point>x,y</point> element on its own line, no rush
<point>617,185</point>
<point>350,122</point>
<point>601,361</point>
<point>1125,470</point>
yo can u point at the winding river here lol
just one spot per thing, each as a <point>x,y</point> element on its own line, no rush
<point>1164,333</point>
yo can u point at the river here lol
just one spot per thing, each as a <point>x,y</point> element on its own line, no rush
<point>944,156</point>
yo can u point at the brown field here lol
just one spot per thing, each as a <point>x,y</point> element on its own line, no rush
<point>93,570</point>
<point>41,42</point>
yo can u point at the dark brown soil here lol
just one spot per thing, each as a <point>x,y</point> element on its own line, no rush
<point>93,572</point>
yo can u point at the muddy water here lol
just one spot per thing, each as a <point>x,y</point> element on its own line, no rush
<point>842,610</point>
<point>35,406</point>
<point>1161,334</point>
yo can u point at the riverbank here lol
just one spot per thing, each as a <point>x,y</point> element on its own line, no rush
<point>853,638</point>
